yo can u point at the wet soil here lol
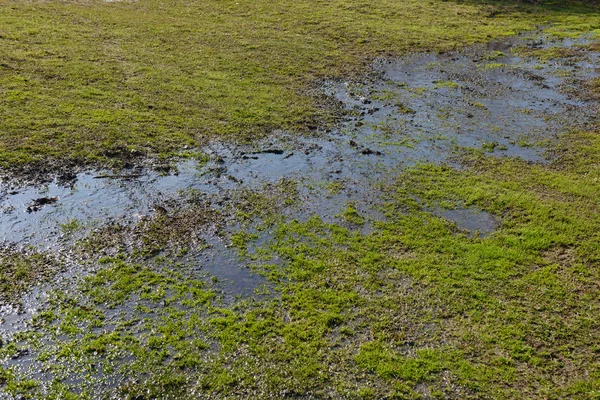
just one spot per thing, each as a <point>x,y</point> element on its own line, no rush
<point>423,108</point>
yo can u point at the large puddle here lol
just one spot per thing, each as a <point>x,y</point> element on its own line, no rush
<point>421,108</point>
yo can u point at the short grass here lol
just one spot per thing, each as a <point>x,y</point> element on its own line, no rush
<point>21,270</point>
<point>414,309</point>
<point>103,82</point>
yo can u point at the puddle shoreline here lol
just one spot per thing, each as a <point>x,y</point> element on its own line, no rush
<point>422,108</point>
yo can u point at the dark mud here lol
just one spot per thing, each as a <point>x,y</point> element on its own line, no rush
<point>424,108</point>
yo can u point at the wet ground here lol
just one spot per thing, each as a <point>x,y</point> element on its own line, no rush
<point>422,108</point>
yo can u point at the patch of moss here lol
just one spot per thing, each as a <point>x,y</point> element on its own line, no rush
<point>446,84</point>
<point>350,214</point>
<point>549,54</point>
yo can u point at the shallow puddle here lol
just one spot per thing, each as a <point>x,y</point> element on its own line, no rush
<point>234,277</point>
<point>476,222</point>
<point>421,108</point>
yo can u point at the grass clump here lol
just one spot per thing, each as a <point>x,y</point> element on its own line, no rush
<point>71,227</point>
<point>352,215</point>
<point>549,54</point>
<point>21,271</point>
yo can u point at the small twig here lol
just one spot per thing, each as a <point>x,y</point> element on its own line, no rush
<point>117,176</point>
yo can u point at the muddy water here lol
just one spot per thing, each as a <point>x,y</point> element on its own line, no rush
<point>421,108</point>
<point>475,222</point>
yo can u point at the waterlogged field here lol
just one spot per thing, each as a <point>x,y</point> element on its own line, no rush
<point>393,199</point>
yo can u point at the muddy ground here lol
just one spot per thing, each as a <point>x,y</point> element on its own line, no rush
<point>95,255</point>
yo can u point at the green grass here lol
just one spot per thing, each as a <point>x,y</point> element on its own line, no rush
<point>97,82</point>
<point>549,54</point>
<point>416,308</point>
<point>21,270</point>
<point>352,215</point>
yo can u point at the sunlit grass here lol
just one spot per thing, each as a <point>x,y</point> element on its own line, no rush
<point>93,81</point>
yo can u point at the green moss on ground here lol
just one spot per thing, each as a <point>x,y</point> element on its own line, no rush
<point>549,54</point>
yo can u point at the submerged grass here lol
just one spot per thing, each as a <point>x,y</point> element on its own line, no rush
<point>414,309</point>
<point>94,81</point>
<point>22,270</point>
